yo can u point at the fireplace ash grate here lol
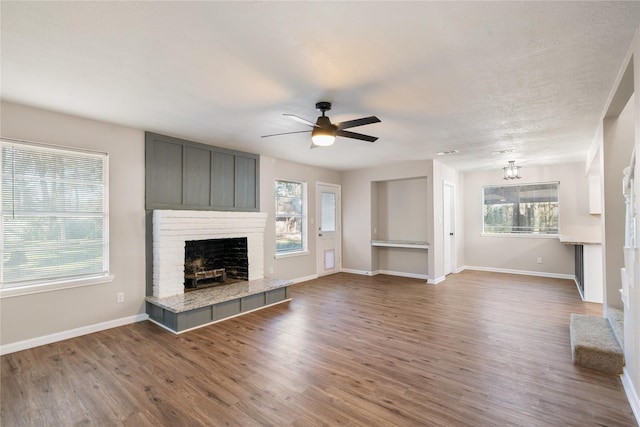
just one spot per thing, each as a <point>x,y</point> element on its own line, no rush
<point>204,276</point>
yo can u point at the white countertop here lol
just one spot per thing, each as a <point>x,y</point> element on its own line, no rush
<point>411,244</point>
<point>579,239</point>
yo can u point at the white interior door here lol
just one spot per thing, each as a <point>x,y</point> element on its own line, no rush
<point>328,237</point>
<point>447,220</point>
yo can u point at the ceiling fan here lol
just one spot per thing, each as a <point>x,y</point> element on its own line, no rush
<point>324,132</point>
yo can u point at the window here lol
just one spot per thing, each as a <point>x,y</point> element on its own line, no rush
<point>54,215</point>
<point>521,209</point>
<point>328,212</point>
<point>291,219</point>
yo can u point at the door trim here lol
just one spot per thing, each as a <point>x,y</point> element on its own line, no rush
<point>338,188</point>
<point>452,200</point>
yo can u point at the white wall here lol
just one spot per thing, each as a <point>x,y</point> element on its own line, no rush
<point>400,207</point>
<point>519,254</point>
<point>44,314</point>
<point>618,141</point>
<point>299,266</point>
<point>361,217</point>
<point>359,206</point>
<point>632,314</point>
<point>444,174</point>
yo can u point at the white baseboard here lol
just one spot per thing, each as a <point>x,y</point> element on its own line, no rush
<point>522,272</point>
<point>459,270</point>
<point>632,395</point>
<point>403,274</point>
<point>389,272</point>
<point>436,280</point>
<point>72,333</point>
<point>578,288</point>
<point>304,278</point>
<point>360,272</point>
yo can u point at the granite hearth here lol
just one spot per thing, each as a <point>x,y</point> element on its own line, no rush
<point>180,313</point>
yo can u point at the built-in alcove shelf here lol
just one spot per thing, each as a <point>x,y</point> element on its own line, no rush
<point>411,244</point>
<point>180,313</point>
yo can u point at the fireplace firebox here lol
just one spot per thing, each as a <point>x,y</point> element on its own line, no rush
<point>214,262</point>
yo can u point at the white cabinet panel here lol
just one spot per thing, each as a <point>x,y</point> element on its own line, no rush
<point>593,273</point>
<point>595,196</point>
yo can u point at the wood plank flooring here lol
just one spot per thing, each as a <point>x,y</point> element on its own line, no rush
<point>480,349</point>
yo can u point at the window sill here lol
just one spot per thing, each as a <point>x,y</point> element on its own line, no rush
<point>521,235</point>
<point>54,286</point>
<point>291,254</point>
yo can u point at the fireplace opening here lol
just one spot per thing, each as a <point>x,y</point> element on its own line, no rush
<point>214,262</point>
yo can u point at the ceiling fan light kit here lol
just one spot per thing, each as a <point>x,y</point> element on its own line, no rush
<point>324,133</point>
<point>322,138</point>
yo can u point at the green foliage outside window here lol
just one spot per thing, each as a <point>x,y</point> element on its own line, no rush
<point>521,209</point>
<point>289,216</point>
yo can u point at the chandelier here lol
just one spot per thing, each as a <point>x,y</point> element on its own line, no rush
<point>511,171</point>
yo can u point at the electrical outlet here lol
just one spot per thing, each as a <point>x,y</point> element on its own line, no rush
<point>539,260</point>
<point>120,297</point>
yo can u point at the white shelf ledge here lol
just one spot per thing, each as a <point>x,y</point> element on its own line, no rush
<point>579,240</point>
<point>411,244</point>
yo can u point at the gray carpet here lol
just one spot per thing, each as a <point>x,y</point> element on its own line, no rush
<point>594,344</point>
<point>616,320</point>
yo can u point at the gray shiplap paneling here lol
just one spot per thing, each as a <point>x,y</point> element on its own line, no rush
<point>197,172</point>
<point>246,169</point>
<point>164,173</point>
<point>183,174</point>
<point>223,178</point>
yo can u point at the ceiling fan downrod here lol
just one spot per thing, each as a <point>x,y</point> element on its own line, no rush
<point>323,106</point>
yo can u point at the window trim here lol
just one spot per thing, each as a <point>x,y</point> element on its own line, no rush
<point>304,216</point>
<point>58,285</point>
<point>47,285</point>
<point>291,254</point>
<point>523,235</point>
<point>527,235</point>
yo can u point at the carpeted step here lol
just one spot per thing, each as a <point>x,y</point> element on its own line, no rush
<point>594,344</point>
<point>616,320</point>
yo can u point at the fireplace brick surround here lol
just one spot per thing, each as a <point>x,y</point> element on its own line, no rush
<point>172,228</point>
<point>173,309</point>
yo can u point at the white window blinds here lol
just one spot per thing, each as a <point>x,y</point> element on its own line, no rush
<point>54,214</point>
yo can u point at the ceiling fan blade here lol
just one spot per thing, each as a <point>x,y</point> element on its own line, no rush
<point>358,122</point>
<point>354,135</point>
<point>300,119</point>
<point>285,133</point>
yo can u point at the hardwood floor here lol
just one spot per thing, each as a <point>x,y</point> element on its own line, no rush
<point>479,349</point>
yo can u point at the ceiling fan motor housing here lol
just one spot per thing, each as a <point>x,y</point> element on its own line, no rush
<point>324,128</point>
<point>323,106</point>
<point>324,123</point>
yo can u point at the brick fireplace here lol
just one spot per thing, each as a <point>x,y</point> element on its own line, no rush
<point>173,228</point>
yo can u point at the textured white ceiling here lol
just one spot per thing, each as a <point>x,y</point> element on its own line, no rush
<point>476,77</point>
